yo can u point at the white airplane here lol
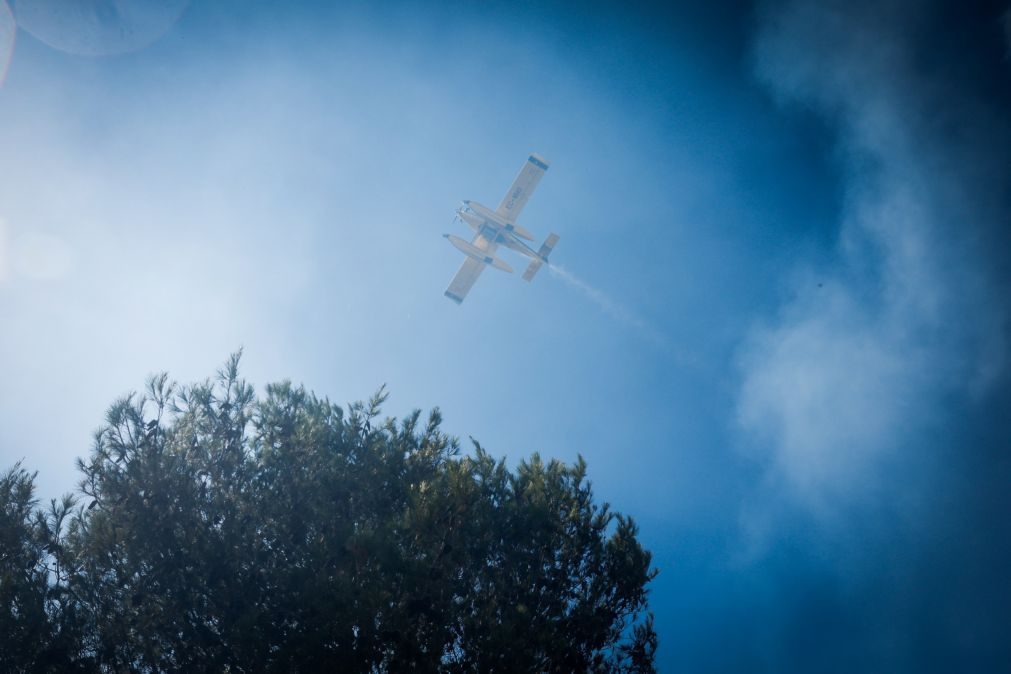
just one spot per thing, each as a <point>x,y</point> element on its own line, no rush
<point>499,227</point>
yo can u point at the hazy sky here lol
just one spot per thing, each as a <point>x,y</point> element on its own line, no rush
<point>779,327</point>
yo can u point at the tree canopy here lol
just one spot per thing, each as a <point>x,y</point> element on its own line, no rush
<point>214,530</point>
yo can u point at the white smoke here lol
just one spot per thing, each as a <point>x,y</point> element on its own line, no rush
<point>611,307</point>
<point>855,367</point>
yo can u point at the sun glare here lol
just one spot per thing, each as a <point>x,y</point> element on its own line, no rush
<point>98,27</point>
<point>3,251</point>
<point>39,256</point>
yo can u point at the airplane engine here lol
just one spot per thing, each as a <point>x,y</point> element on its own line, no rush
<point>473,221</point>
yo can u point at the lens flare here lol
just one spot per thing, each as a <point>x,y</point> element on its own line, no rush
<point>8,33</point>
<point>98,27</point>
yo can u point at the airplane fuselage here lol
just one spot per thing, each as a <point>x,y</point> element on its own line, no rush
<point>493,227</point>
<point>493,218</point>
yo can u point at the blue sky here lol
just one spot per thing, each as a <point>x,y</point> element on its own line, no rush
<point>780,336</point>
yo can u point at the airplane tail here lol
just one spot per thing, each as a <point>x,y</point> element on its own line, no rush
<point>546,248</point>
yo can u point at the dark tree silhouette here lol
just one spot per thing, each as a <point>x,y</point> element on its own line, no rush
<point>40,620</point>
<point>216,531</point>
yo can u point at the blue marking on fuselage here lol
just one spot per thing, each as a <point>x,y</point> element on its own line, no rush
<point>537,162</point>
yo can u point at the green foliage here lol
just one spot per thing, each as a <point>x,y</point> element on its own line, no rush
<point>40,628</point>
<point>221,532</point>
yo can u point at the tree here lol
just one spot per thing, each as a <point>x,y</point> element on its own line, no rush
<point>23,581</point>
<point>219,531</point>
<point>40,627</point>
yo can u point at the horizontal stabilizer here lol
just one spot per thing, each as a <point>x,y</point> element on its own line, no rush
<point>548,246</point>
<point>542,254</point>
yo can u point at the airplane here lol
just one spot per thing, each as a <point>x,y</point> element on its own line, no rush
<point>499,227</point>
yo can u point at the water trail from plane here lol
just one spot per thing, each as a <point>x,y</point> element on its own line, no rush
<point>610,306</point>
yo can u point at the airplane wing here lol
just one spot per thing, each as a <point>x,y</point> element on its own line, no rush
<point>469,271</point>
<point>518,195</point>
